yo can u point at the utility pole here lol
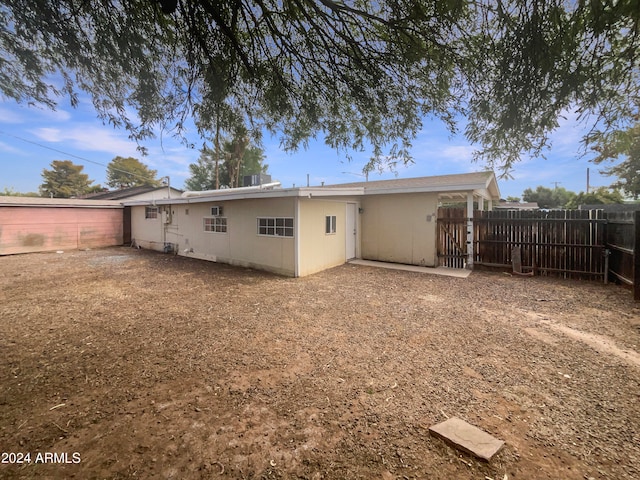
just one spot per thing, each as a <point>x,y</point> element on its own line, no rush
<point>587,180</point>
<point>556,184</point>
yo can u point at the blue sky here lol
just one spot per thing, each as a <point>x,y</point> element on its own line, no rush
<point>78,132</point>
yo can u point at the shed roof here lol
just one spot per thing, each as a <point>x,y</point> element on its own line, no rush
<point>12,201</point>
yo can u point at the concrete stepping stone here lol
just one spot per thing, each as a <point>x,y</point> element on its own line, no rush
<point>467,438</point>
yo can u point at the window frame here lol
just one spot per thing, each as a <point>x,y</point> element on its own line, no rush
<point>217,224</point>
<point>218,209</point>
<point>147,212</point>
<point>330,224</point>
<point>271,226</point>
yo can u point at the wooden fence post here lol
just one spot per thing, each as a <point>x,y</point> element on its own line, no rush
<point>636,256</point>
<point>469,236</point>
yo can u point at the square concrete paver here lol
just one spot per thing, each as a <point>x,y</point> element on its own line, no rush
<point>468,438</point>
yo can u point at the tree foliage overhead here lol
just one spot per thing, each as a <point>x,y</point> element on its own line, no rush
<point>625,145</point>
<point>361,74</point>
<point>130,172</point>
<point>64,180</point>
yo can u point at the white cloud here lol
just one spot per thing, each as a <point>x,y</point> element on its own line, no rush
<point>9,149</point>
<point>89,138</point>
<point>457,153</point>
<point>10,116</point>
<point>57,115</point>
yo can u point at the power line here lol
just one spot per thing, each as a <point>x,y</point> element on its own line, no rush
<point>70,154</point>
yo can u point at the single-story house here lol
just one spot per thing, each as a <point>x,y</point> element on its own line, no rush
<point>300,231</point>
<point>36,224</point>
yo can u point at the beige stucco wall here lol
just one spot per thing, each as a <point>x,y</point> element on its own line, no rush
<point>400,228</point>
<point>317,249</point>
<point>241,245</point>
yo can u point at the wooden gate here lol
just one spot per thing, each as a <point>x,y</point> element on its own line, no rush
<point>623,244</point>
<point>452,237</point>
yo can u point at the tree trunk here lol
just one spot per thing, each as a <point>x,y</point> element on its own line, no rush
<point>217,155</point>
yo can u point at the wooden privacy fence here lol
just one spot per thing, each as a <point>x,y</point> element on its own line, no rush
<point>623,242</point>
<point>583,244</point>
<point>567,243</point>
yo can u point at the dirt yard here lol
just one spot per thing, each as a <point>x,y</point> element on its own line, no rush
<point>123,363</point>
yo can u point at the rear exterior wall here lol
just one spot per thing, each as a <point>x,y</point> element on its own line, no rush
<point>400,228</point>
<point>319,250</point>
<point>241,244</point>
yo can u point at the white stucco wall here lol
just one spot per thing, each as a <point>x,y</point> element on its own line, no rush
<point>317,249</point>
<point>240,245</point>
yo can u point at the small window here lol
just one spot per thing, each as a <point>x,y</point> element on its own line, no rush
<point>150,212</point>
<point>216,211</point>
<point>330,224</point>
<point>215,224</point>
<point>275,226</point>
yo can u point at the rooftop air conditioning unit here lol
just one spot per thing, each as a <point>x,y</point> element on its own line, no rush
<point>256,179</point>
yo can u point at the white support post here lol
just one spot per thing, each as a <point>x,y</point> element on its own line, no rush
<point>469,230</point>
<point>490,205</point>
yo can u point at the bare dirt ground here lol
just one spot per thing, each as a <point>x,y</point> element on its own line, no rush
<point>134,364</point>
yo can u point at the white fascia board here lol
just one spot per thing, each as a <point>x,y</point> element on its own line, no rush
<point>311,192</point>
<point>430,189</point>
<point>308,192</point>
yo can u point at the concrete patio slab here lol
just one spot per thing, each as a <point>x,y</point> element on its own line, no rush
<point>467,438</point>
<point>449,272</point>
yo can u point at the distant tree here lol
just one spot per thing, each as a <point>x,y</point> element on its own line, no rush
<point>241,159</point>
<point>253,161</point>
<point>600,196</point>
<point>203,172</point>
<point>547,197</point>
<point>614,146</point>
<point>9,192</point>
<point>130,172</point>
<point>96,188</point>
<point>513,199</point>
<point>64,180</point>
<point>237,159</point>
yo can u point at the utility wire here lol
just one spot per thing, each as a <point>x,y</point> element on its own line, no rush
<point>71,155</point>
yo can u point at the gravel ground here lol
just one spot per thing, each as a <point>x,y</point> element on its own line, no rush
<point>121,363</point>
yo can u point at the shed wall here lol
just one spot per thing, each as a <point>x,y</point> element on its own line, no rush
<point>400,228</point>
<point>28,229</point>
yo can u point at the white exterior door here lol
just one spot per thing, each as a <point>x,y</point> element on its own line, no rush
<point>351,233</point>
